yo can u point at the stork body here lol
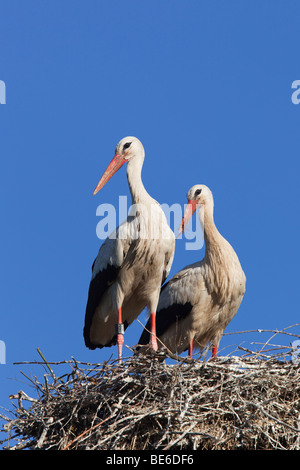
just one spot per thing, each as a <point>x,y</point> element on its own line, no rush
<point>197,304</point>
<point>133,261</point>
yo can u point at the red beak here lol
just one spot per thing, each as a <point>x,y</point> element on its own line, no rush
<point>189,210</point>
<point>112,168</point>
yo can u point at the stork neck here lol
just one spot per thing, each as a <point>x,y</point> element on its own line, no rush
<point>220,259</point>
<point>212,236</point>
<point>134,176</point>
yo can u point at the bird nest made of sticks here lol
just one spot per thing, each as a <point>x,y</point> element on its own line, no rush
<point>145,403</point>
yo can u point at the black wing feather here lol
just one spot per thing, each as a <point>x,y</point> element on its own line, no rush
<point>164,319</point>
<point>97,288</point>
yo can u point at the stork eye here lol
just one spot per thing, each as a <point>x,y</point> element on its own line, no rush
<point>198,192</point>
<point>127,145</point>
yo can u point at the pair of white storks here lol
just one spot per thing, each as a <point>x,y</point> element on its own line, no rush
<point>189,311</point>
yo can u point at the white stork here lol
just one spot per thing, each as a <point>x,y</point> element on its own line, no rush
<point>197,304</point>
<point>132,263</point>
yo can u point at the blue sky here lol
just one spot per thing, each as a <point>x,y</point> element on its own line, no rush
<point>206,86</point>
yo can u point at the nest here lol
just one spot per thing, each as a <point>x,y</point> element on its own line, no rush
<point>149,403</point>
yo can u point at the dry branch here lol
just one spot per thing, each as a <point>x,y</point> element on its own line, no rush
<point>246,402</point>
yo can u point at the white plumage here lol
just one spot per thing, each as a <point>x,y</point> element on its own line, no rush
<point>133,261</point>
<point>197,304</point>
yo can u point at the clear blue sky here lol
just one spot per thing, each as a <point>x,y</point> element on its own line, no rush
<point>206,86</point>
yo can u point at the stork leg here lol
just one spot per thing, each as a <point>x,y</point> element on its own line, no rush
<point>214,351</point>
<point>191,349</point>
<point>120,333</point>
<point>153,340</point>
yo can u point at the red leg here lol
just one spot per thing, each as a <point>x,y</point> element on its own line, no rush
<point>120,334</point>
<point>153,340</point>
<point>214,351</point>
<point>191,349</point>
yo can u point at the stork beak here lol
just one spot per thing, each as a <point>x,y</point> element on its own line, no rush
<point>189,210</point>
<point>112,168</point>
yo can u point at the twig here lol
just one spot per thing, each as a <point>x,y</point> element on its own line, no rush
<point>46,363</point>
<point>248,401</point>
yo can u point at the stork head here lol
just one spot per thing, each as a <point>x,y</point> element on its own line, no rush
<point>199,195</point>
<point>127,149</point>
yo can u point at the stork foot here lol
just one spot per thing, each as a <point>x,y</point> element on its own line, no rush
<point>191,349</point>
<point>153,339</point>
<point>214,351</point>
<point>120,342</point>
<point>153,343</point>
<point>120,339</point>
